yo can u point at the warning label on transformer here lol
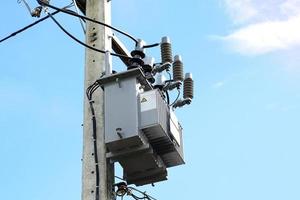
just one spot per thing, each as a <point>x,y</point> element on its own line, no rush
<point>143,100</point>
<point>148,101</point>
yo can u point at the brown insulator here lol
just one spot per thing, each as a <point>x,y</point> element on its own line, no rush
<point>188,86</point>
<point>177,69</point>
<point>166,50</point>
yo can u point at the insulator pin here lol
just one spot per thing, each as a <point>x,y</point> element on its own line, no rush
<point>177,69</point>
<point>166,50</point>
<point>188,86</point>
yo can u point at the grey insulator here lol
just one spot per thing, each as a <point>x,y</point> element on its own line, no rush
<point>140,45</point>
<point>188,86</point>
<point>166,50</point>
<point>178,68</point>
<point>149,61</point>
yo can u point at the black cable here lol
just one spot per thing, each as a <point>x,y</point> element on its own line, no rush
<point>27,27</point>
<point>151,45</point>
<point>143,193</point>
<point>168,83</point>
<point>82,43</point>
<point>119,178</point>
<point>42,3</point>
<point>32,24</point>
<point>136,197</point>
<point>168,97</point>
<point>89,93</point>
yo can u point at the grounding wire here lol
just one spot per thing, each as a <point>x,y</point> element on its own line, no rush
<point>86,18</point>
<point>82,43</point>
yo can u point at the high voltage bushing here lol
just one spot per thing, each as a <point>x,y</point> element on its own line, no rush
<point>188,86</point>
<point>188,92</point>
<point>137,55</point>
<point>148,67</point>
<point>148,64</point>
<point>178,68</point>
<point>166,50</point>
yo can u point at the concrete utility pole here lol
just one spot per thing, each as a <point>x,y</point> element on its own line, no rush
<point>98,37</point>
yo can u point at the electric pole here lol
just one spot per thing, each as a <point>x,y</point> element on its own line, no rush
<point>99,37</point>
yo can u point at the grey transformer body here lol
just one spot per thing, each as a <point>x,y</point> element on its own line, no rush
<point>142,132</point>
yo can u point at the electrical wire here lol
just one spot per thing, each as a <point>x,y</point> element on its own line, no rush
<point>82,43</point>
<point>32,24</point>
<point>80,20</point>
<point>86,18</point>
<point>119,178</point>
<point>151,45</point>
<point>27,27</point>
<point>123,189</point>
<point>176,97</point>
<point>89,93</point>
<point>168,83</point>
<point>168,97</point>
<point>170,76</point>
<point>143,193</point>
<point>26,4</point>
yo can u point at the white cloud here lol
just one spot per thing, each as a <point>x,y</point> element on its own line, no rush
<point>218,84</point>
<point>290,7</point>
<point>266,37</point>
<point>265,26</point>
<point>240,10</point>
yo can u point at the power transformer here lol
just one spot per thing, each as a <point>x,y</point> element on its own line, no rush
<point>142,132</point>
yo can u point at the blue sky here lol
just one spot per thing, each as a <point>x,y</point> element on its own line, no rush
<point>241,134</point>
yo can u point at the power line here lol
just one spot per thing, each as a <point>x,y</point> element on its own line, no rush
<point>86,18</point>
<point>80,20</point>
<point>27,27</point>
<point>34,23</point>
<point>82,43</point>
